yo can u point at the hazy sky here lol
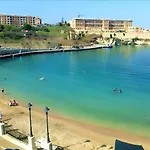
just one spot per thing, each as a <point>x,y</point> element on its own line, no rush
<point>51,11</point>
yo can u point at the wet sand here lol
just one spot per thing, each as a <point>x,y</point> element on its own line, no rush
<point>64,131</point>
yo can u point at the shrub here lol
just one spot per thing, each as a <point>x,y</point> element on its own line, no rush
<point>27,27</point>
<point>11,35</point>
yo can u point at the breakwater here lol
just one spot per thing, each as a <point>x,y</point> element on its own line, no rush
<point>20,52</point>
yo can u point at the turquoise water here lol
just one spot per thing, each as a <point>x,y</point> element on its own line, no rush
<point>80,85</point>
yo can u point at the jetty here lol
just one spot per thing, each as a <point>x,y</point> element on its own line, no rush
<point>7,53</point>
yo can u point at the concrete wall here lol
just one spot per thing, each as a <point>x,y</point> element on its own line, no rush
<point>9,51</point>
<point>15,141</point>
<point>129,35</point>
<point>145,35</point>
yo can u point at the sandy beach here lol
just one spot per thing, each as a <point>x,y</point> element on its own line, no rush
<point>63,131</point>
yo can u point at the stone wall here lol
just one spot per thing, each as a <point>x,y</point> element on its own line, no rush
<point>130,35</point>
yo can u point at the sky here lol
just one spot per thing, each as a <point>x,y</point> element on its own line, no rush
<point>52,11</point>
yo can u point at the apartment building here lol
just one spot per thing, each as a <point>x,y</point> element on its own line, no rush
<point>79,24</point>
<point>19,20</point>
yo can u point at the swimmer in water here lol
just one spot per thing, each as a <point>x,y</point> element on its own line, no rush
<point>42,78</point>
<point>120,91</point>
<point>2,90</point>
<point>115,89</point>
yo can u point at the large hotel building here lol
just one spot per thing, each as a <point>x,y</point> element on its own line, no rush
<point>79,24</point>
<point>19,20</point>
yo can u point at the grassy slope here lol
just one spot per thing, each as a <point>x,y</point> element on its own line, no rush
<point>55,31</point>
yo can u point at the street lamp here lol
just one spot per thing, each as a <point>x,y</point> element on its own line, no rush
<point>29,107</point>
<point>47,129</point>
<point>1,116</point>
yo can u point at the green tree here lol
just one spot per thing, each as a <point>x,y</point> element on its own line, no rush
<point>136,38</point>
<point>45,29</point>
<point>68,24</point>
<point>7,28</point>
<point>15,29</point>
<point>60,24</point>
<point>27,27</point>
<point>11,35</point>
<point>12,28</point>
<point>1,28</point>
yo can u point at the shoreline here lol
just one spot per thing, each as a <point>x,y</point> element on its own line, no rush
<point>65,131</point>
<point>127,128</point>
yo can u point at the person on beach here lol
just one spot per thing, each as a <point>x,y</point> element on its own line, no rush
<point>15,103</point>
<point>10,103</point>
<point>2,90</point>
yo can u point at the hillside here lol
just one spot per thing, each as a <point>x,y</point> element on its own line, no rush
<point>44,36</point>
<point>56,31</point>
<point>12,35</point>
